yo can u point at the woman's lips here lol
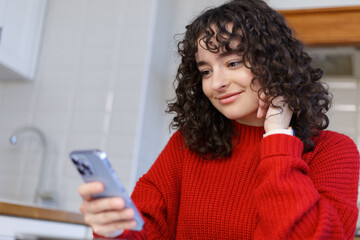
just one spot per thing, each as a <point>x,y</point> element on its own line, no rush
<point>228,98</point>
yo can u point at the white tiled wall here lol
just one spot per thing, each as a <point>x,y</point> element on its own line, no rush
<point>344,112</point>
<point>86,95</point>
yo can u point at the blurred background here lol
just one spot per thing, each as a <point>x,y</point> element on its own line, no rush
<point>98,75</point>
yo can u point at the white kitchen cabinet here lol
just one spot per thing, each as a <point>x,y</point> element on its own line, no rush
<point>21,24</point>
<point>27,221</point>
<point>24,228</point>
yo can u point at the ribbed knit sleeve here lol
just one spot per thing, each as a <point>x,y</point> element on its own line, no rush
<point>310,196</point>
<point>157,194</point>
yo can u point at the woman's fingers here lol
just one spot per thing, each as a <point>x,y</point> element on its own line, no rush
<point>275,111</point>
<point>278,115</point>
<point>105,223</point>
<point>86,190</point>
<point>102,205</point>
<point>104,215</point>
<point>104,218</point>
<point>107,229</point>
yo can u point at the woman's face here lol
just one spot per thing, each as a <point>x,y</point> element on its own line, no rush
<point>227,84</point>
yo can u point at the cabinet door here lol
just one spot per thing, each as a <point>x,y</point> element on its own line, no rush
<point>22,22</point>
<point>40,229</point>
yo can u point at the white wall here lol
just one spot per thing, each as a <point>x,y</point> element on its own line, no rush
<point>86,94</point>
<point>154,124</point>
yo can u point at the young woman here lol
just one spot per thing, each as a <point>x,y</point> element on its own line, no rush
<point>251,158</point>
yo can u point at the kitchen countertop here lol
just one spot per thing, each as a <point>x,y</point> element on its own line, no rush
<point>40,213</point>
<point>47,214</point>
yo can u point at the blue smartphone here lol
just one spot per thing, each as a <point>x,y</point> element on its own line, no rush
<point>93,165</point>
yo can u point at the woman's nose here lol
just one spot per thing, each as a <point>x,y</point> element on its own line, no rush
<point>220,80</point>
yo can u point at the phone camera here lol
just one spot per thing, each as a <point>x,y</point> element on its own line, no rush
<point>75,160</point>
<point>87,167</point>
<point>81,170</point>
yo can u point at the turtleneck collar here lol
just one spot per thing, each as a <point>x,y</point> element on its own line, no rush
<point>248,134</point>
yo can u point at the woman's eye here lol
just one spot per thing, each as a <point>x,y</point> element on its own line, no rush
<point>234,64</point>
<point>205,73</point>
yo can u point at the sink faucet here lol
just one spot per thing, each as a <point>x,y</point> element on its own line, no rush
<point>42,195</point>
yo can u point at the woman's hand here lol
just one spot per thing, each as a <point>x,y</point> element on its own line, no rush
<point>106,216</point>
<point>275,118</point>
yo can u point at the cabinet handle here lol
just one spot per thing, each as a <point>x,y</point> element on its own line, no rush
<point>0,33</point>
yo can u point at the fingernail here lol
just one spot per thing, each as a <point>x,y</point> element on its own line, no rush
<point>98,187</point>
<point>118,203</point>
<point>131,213</point>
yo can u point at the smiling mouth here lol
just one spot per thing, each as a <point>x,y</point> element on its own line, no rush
<point>228,98</point>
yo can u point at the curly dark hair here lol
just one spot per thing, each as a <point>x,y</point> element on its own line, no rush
<point>274,56</point>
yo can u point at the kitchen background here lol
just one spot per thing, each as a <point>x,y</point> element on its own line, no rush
<point>105,70</point>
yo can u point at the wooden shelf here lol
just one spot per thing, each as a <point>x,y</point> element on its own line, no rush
<point>326,26</point>
<point>24,211</point>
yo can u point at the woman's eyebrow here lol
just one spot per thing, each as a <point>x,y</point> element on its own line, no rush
<point>221,55</point>
<point>200,63</point>
<point>225,54</point>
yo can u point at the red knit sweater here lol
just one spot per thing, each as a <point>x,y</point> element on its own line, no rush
<point>267,189</point>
